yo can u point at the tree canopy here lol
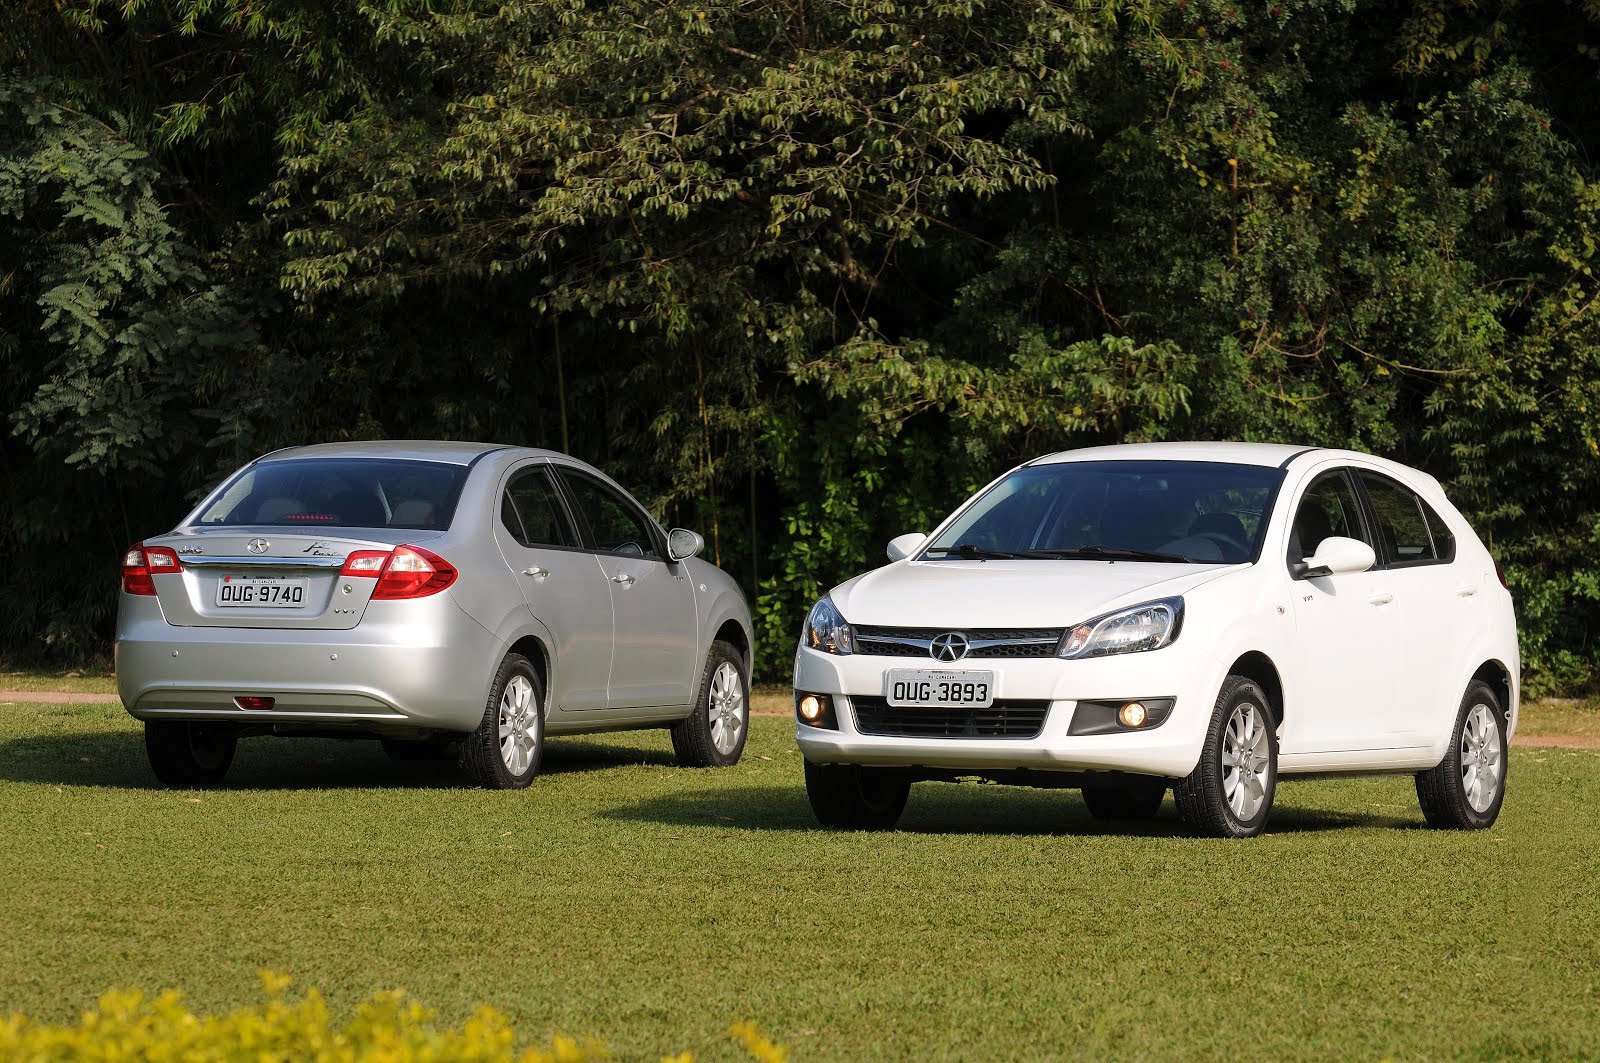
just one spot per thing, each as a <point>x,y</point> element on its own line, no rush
<point>803,272</point>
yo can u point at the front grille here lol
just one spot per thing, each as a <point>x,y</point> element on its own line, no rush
<point>995,643</point>
<point>1003,719</point>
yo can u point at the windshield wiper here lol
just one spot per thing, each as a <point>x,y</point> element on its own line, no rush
<point>974,552</point>
<point>1117,553</point>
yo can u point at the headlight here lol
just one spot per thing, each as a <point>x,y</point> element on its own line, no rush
<point>826,630</point>
<point>1144,627</point>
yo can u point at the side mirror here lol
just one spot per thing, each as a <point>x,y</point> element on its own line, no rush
<point>903,546</point>
<point>683,544</point>
<point>1336,555</point>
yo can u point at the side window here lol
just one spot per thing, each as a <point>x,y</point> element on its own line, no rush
<point>1327,508</point>
<point>614,525</point>
<point>532,511</point>
<point>1401,525</point>
<point>1444,540</point>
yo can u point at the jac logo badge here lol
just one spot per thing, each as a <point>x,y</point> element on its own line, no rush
<point>258,546</point>
<point>951,646</point>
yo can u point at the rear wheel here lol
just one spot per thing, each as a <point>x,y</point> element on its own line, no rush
<point>1230,791</point>
<point>1126,800</point>
<point>190,754</point>
<point>713,736</point>
<point>853,797</point>
<point>505,750</point>
<point>1465,790</point>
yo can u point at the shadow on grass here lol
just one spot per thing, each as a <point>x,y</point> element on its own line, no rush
<point>942,808</point>
<point>267,763</point>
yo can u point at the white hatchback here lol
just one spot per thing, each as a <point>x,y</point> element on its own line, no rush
<point>1203,617</point>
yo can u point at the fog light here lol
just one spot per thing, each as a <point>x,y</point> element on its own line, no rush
<point>251,702</point>
<point>814,710</point>
<point>1132,714</point>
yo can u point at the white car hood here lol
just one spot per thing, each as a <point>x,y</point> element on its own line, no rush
<point>1007,594</point>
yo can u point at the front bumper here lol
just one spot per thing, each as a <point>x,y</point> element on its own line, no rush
<point>1169,750</point>
<point>409,666</point>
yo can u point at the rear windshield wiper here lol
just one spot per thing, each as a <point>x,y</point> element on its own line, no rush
<point>1117,553</point>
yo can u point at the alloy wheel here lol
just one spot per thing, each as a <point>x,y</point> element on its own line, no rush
<point>1482,757</point>
<point>519,724</point>
<point>727,708</point>
<point>1245,761</point>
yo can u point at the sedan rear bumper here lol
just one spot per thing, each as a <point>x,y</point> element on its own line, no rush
<point>418,668</point>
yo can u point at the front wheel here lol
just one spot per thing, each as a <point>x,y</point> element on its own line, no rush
<point>189,754</point>
<point>505,750</point>
<point>1230,790</point>
<point>1464,791</point>
<point>713,735</point>
<point>853,797</point>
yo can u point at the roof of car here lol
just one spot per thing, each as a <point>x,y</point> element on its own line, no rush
<point>455,453</point>
<point>1275,455</point>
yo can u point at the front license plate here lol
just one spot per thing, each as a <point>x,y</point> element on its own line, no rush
<point>262,592</point>
<point>923,688</point>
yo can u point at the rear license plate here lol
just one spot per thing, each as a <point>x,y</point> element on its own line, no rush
<point>923,688</point>
<point>262,592</point>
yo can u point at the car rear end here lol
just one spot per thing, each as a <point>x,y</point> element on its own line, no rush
<point>311,592</point>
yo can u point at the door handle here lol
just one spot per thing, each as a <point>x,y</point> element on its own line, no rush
<point>1466,592</point>
<point>622,578</point>
<point>1383,598</point>
<point>536,572</point>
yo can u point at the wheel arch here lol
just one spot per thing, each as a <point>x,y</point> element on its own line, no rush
<point>1495,673</point>
<point>533,647</point>
<point>1259,668</point>
<point>728,620</point>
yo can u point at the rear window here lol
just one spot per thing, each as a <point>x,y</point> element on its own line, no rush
<point>340,493</point>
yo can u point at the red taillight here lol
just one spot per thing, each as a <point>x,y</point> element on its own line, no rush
<point>142,562</point>
<point>1498,571</point>
<point>254,701</point>
<point>404,572</point>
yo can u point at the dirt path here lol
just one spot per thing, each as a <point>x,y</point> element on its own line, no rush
<point>760,705</point>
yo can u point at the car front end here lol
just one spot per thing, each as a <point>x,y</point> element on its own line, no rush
<point>1118,691</point>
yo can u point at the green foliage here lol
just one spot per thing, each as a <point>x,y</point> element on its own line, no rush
<point>805,275</point>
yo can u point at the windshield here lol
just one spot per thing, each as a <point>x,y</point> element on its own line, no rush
<point>340,493</point>
<point>1176,511</point>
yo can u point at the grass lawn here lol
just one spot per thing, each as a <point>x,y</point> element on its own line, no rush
<point>651,907</point>
<point>79,682</point>
<point>1576,722</point>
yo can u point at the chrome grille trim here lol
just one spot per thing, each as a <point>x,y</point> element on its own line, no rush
<point>982,643</point>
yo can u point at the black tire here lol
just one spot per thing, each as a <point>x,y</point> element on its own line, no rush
<point>852,797</point>
<point>416,750</point>
<point>484,752</point>
<point>1203,796</point>
<point>190,754</point>
<point>1125,800</point>
<point>1442,790</point>
<point>695,739</point>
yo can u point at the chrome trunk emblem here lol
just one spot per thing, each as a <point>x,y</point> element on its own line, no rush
<point>257,546</point>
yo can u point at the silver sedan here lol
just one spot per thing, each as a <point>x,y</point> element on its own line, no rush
<point>436,596</point>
